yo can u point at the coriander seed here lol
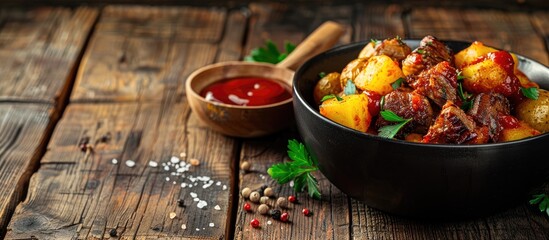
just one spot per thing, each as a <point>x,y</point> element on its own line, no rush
<point>268,192</point>
<point>246,192</point>
<point>264,200</point>
<point>282,202</point>
<point>254,197</point>
<point>245,165</point>
<point>263,209</point>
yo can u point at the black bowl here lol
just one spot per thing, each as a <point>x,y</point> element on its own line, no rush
<point>414,179</point>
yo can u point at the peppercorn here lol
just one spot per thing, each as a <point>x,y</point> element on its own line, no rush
<point>263,209</point>
<point>292,199</point>
<point>306,212</point>
<point>284,217</point>
<point>245,166</point>
<point>247,207</point>
<point>181,203</point>
<point>275,214</point>
<point>268,192</point>
<point>254,197</point>
<point>282,202</point>
<point>246,192</point>
<point>264,200</point>
<point>113,232</point>
<point>254,223</point>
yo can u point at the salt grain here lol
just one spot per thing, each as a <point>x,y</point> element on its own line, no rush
<point>153,164</point>
<point>114,161</point>
<point>130,163</point>
<point>172,215</point>
<point>292,183</point>
<point>182,154</point>
<point>197,229</point>
<point>196,199</point>
<point>166,168</point>
<point>193,194</point>
<point>212,225</point>
<point>269,222</point>
<point>183,185</point>
<point>218,183</point>
<point>217,207</point>
<point>174,182</point>
<point>183,226</point>
<point>174,160</point>
<point>167,179</point>
<point>201,204</point>
<point>224,187</point>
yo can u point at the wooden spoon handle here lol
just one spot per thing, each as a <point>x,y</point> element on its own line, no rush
<point>322,39</point>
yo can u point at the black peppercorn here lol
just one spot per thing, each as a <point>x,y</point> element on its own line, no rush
<point>181,203</point>
<point>113,232</point>
<point>275,214</point>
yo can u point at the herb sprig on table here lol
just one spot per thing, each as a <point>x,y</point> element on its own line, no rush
<point>270,53</point>
<point>542,200</point>
<point>299,170</point>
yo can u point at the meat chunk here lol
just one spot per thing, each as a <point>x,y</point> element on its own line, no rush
<point>430,52</point>
<point>454,126</point>
<point>438,83</point>
<point>408,105</point>
<point>393,48</point>
<point>486,109</point>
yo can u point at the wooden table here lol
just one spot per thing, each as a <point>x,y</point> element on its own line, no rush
<point>113,77</point>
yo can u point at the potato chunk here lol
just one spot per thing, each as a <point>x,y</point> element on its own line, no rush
<point>515,129</point>
<point>475,50</point>
<point>352,69</point>
<point>329,84</point>
<point>535,112</point>
<point>492,73</point>
<point>378,75</point>
<point>351,112</point>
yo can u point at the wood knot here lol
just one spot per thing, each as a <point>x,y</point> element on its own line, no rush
<point>30,223</point>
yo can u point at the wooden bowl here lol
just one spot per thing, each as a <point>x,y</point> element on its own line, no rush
<point>240,121</point>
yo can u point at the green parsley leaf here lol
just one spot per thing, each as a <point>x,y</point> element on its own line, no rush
<point>465,97</point>
<point>531,92</point>
<point>330,96</point>
<point>420,51</point>
<point>542,200</point>
<point>390,131</point>
<point>299,170</point>
<point>350,87</point>
<point>459,76</point>
<point>374,41</point>
<point>321,74</point>
<point>269,53</point>
<point>396,84</point>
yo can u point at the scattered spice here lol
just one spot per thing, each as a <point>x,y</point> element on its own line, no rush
<point>264,200</point>
<point>254,223</point>
<point>113,232</point>
<point>130,163</point>
<point>282,202</point>
<point>247,207</point>
<point>105,137</point>
<point>284,217</point>
<point>254,196</point>
<point>194,162</point>
<point>173,215</point>
<point>183,226</point>
<point>217,207</point>
<point>263,209</point>
<point>306,211</point>
<point>275,214</point>
<point>245,165</point>
<point>246,192</point>
<point>114,161</point>
<point>292,199</point>
<point>268,192</point>
<point>181,203</point>
<point>212,224</point>
<point>182,154</point>
<point>153,164</point>
<point>269,222</point>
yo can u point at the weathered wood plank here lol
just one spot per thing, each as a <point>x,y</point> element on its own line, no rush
<point>512,31</point>
<point>540,20</point>
<point>83,195</point>
<point>142,53</point>
<point>282,23</point>
<point>378,21</point>
<point>39,51</point>
<point>23,132</point>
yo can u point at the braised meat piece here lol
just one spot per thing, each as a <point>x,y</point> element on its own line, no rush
<point>394,48</point>
<point>455,127</point>
<point>486,109</point>
<point>438,83</point>
<point>408,105</point>
<point>430,52</point>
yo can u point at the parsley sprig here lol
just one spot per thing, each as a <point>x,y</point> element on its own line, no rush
<point>542,200</point>
<point>390,131</point>
<point>330,96</point>
<point>269,53</point>
<point>466,98</point>
<point>531,92</point>
<point>299,170</point>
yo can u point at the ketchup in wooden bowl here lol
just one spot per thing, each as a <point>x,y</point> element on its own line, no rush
<point>246,91</point>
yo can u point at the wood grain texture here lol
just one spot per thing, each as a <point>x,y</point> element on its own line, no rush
<point>39,51</point>
<point>512,31</point>
<point>23,134</point>
<point>142,53</point>
<point>330,217</point>
<point>378,21</point>
<point>83,195</point>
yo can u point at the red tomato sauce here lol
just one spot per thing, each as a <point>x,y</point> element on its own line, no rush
<point>246,91</point>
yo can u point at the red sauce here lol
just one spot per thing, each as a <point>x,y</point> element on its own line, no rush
<point>374,102</point>
<point>508,121</point>
<point>246,91</point>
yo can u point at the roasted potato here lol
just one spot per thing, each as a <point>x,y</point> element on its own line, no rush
<point>351,111</point>
<point>393,48</point>
<point>352,70</point>
<point>492,74</point>
<point>473,52</point>
<point>377,76</point>
<point>329,84</point>
<point>519,130</point>
<point>535,112</point>
<point>368,51</point>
